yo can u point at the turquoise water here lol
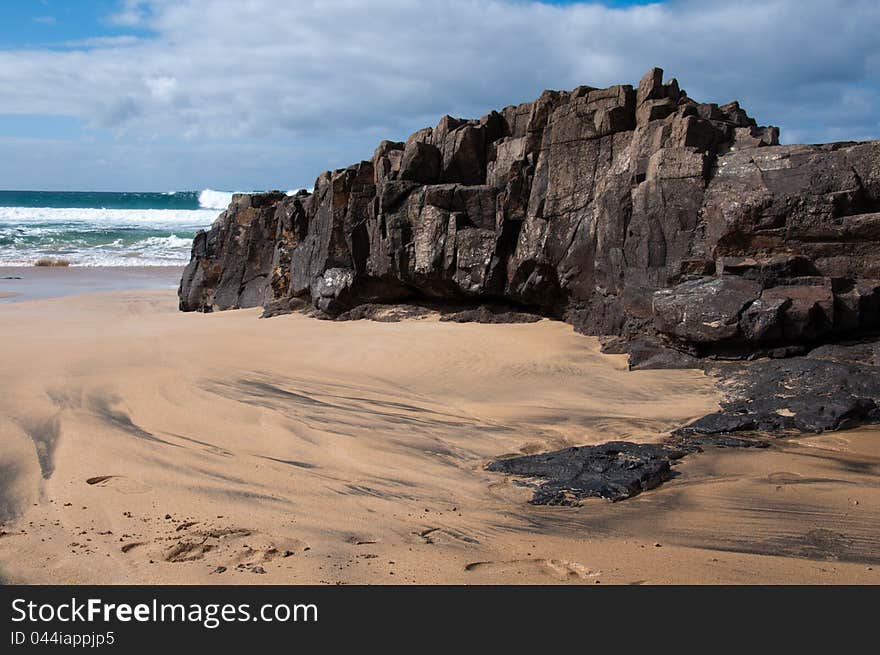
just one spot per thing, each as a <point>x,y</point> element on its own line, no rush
<point>104,229</point>
<point>103,199</point>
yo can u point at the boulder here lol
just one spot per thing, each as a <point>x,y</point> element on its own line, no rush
<point>707,310</point>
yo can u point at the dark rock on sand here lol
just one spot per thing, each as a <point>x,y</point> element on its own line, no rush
<point>629,211</point>
<point>282,306</point>
<point>385,313</point>
<point>830,388</point>
<point>683,228</point>
<point>616,470</point>
<point>490,314</point>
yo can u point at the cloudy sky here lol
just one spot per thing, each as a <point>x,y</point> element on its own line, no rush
<point>251,94</point>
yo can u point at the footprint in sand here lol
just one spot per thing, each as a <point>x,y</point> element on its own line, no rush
<point>555,568</point>
<point>195,544</point>
<point>229,546</point>
<point>362,539</point>
<point>445,536</point>
<point>119,483</point>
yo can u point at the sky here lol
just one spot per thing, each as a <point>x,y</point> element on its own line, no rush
<point>258,94</point>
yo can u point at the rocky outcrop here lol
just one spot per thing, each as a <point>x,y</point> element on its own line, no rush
<point>682,228</point>
<point>626,211</point>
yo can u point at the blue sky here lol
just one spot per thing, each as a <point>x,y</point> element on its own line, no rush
<point>189,94</point>
<point>50,23</point>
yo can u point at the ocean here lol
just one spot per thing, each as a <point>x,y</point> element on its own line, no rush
<point>104,228</point>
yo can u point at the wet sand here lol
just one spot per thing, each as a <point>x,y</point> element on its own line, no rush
<point>143,445</point>
<point>19,283</point>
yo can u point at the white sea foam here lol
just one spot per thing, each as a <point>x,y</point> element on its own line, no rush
<point>211,199</point>
<point>106,237</point>
<point>104,217</point>
<point>100,237</point>
<point>172,250</point>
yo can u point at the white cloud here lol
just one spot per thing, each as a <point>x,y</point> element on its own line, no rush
<point>299,75</point>
<point>132,13</point>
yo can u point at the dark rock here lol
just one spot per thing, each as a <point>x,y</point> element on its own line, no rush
<point>282,306</point>
<point>490,314</point>
<point>767,270</point>
<point>332,290</point>
<point>831,388</point>
<point>231,262</point>
<point>808,312</point>
<point>720,423</point>
<point>614,345</point>
<point>704,311</point>
<point>421,163</point>
<point>763,319</point>
<point>866,353</point>
<point>857,306</point>
<point>648,353</point>
<point>385,313</point>
<point>725,441</point>
<point>616,470</point>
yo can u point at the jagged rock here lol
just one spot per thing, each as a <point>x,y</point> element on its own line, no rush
<point>857,305</point>
<point>616,470</point>
<point>231,263</point>
<point>421,163</point>
<point>682,228</point>
<point>586,205</point>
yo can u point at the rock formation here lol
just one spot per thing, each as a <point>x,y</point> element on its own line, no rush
<point>625,211</point>
<point>681,227</point>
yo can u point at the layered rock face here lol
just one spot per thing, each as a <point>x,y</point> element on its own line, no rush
<point>626,211</point>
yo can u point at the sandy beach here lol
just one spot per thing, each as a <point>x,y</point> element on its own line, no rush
<point>143,445</point>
